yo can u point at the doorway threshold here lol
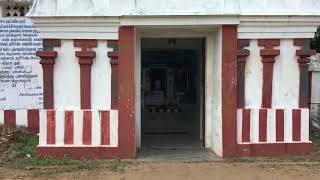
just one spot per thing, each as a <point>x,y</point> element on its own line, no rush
<point>196,154</point>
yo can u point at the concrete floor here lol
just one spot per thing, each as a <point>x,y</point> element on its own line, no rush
<point>177,147</point>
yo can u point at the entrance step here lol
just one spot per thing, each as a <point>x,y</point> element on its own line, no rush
<point>177,154</point>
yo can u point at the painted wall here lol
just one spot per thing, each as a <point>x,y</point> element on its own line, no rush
<point>101,78</point>
<point>67,78</point>
<point>20,71</point>
<point>216,82</point>
<point>286,74</point>
<point>88,128</point>
<point>273,125</point>
<point>253,77</point>
<point>285,77</point>
<point>173,7</point>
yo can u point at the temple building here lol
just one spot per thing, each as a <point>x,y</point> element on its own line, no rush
<point>223,75</point>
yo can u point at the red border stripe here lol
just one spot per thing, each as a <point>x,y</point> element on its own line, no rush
<point>263,125</point>
<point>296,124</point>
<point>10,118</point>
<point>279,125</point>
<point>229,90</point>
<point>68,124</point>
<point>51,127</point>
<point>246,125</point>
<point>105,127</point>
<point>33,121</point>
<point>87,126</point>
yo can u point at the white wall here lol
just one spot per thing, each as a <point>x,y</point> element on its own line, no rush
<point>66,77</point>
<point>286,75</point>
<point>253,77</point>
<point>137,78</point>
<point>214,80</point>
<point>285,88</point>
<point>174,7</point>
<point>101,78</point>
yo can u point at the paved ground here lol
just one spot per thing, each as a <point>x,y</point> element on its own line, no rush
<point>174,148</point>
<point>176,171</point>
<point>177,154</point>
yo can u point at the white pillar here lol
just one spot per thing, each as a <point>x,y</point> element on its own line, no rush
<point>314,67</point>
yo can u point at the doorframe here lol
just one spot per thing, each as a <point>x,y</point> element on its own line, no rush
<point>209,37</point>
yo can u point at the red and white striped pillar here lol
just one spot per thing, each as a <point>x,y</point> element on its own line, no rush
<point>304,53</point>
<point>268,55</point>
<point>86,56</point>
<point>242,60</point>
<point>48,56</point>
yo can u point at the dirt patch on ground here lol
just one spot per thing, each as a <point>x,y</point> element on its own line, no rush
<point>18,161</point>
<point>176,171</point>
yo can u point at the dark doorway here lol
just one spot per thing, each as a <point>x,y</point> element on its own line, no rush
<point>172,93</point>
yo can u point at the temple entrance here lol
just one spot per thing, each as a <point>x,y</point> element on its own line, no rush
<point>172,104</point>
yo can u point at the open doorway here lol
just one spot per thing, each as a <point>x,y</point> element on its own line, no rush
<point>172,92</point>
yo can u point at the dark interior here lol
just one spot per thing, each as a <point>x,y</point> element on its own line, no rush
<point>171,93</point>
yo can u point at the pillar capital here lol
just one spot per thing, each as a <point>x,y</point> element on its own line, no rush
<point>268,55</point>
<point>48,56</point>
<point>85,56</point>
<point>303,59</point>
<point>242,55</point>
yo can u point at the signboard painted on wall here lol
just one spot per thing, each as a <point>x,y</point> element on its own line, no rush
<point>20,71</point>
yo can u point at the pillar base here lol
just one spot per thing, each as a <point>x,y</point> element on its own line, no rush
<point>275,149</point>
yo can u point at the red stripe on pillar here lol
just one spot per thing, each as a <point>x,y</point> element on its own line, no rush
<point>296,124</point>
<point>51,127</point>
<point>85,84</point>
<point>87,127</point>
<point>47,62</point>
<point>86,56</point>
<point>268,55</point>
<point>33,121</point>
<point>267,85</point>
<point>229,90</point>
<point>10,118</point>
<point>242,58</point>
<point>68,124</point>
<point>279,125</point>
<point>105,127</point>
<point>126,92</point>
<point>246,125</point>
<point>114,86</point>
<point>263,125</point>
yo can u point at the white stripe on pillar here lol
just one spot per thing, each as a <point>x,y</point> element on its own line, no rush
<point>305,125</point>
<point>254,125</point>
<point>1,117</point>
<point>96,128</point>
<point>239,125</point>
<point>43,128</point>
<point>22,118</point>
<point>114,128</point>
<point>78,127</point>
<point>60,127</point>
<point>271,126</point>
<point>288,125</point>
